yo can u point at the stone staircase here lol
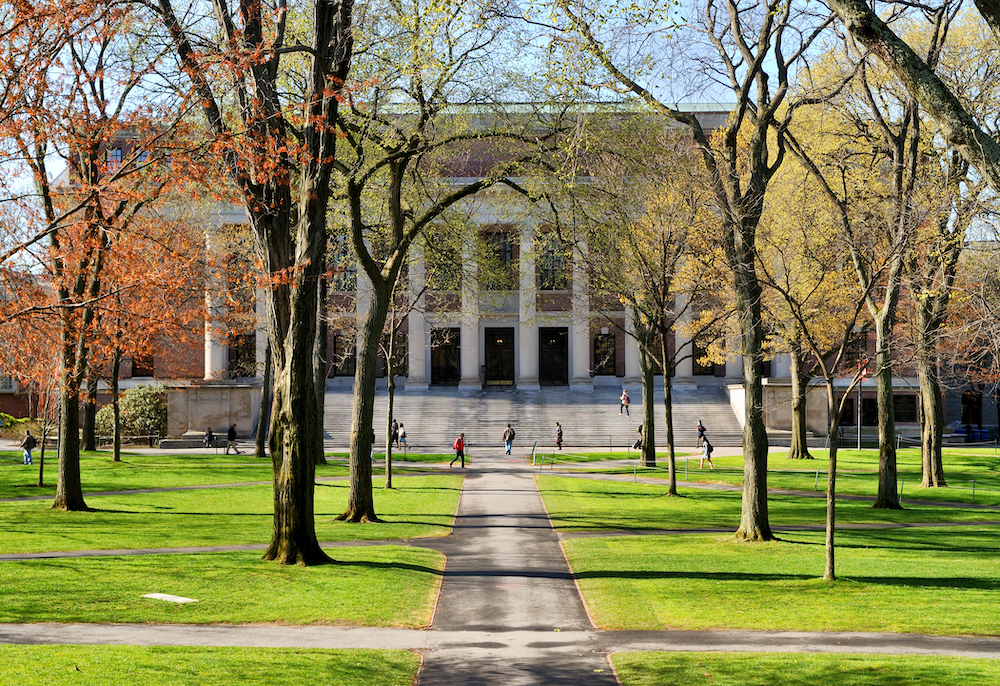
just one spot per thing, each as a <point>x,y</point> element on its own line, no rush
<point>433,419</point>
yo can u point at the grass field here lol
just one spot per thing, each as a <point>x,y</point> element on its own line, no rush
<point>371,586</point>
<point>767,669</point>
<point>169,666</point>
<point>857,472</point>
<point>577,504</point>
<point>937,581</point>
<point>925,580</point>
<point>417,506</point>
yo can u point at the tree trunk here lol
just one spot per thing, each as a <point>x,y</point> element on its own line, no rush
<point>266,399</point>
<point>320,352</point>
<point>648,406</point>
<point>69,489</point>
<point>932,422</point>
<point>668,410</point>
<point>799,449</point>
<point>41,454</point>
<point>116,363</point>
<point>754,524</point>
<point>829,570</point>
<point>90,411</point>
<point>888,493</point>
<point>361,505</point>
<point>295,442</point>
<point>388,419</point>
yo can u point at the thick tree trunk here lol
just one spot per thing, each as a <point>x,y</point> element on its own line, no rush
<point>932,422</point>
<point>320,352</point>
<point>888,492</point>
<point>799,449</point>
<point>90,412</point>
<point>754,524</point>
<point>69,490</point>
<point>295,441</point>
<point>361,505</point>
<point>648,408</point>
<point>668,410</point>
<point>266,399</point>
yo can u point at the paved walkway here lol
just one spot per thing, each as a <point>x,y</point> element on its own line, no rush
<point>509,611</point>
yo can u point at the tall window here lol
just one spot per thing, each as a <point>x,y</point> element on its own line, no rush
<point>604,354</point>
<point>343,268</point>
<point>498,265</point>
<point>553,264</point>
<point>115,157</point>
<point>143,365</point>
<point>344,355</point>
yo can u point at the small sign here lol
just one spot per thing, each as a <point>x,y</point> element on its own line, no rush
<point>170,598</point>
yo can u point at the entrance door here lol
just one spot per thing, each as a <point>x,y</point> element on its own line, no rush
<point>446,356</point>
<point>500,356</point>
<point>553,356</point>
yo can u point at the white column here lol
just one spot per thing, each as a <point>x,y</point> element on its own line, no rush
<point>527,351</point>
<point>362,301</point>
<point>579,372</point>
<point>416,336</point>
<point>633,374</point>
<point>734,360</point>
<point>260,332</point>
<point>683,344</point>
<point>216,349</point>
<point>471,379</point>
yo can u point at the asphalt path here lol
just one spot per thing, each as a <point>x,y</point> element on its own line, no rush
<point>508,612</point>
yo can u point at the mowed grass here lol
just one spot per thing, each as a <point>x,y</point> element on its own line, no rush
<point>796,669</point>
<point>857,472</point>
<point>936,581</point>
<point>417,506</point>
<point>368,586</point>
<point>170,666</point>
<point>98,472</point>
<point>581,504</point>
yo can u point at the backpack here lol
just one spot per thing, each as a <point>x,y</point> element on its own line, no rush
<point>512,434</point>
<point>708,450</point>
<point>30,443</point>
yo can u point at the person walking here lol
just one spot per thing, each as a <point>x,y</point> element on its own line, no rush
<point>28,444</point>
<point>459,446</point>
<point>559,435</point>
<point>508,438</point>
<point>395,433</point>
<point>231,440</point>
<point>625,402</point>
<point>402,436</point>
<point>706,454</point>
<point>701,433</point>
<point>209,440</point>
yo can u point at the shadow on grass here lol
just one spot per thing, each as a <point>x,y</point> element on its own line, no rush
<point>422,569</point>
<point>905,582</point>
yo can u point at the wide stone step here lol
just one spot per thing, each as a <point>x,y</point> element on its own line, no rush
<point>590,419</point>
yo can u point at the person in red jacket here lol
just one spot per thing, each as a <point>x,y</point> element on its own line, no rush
<point>459,447</point>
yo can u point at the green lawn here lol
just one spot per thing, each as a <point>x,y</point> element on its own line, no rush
<point>99,473</point>
<point>578,504</point>
<point>936,581</point>
<point>857,472</point>
<point>795,669</point>
<point>417,506</point>
<point>163,666</point>
<point>370,586</point>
